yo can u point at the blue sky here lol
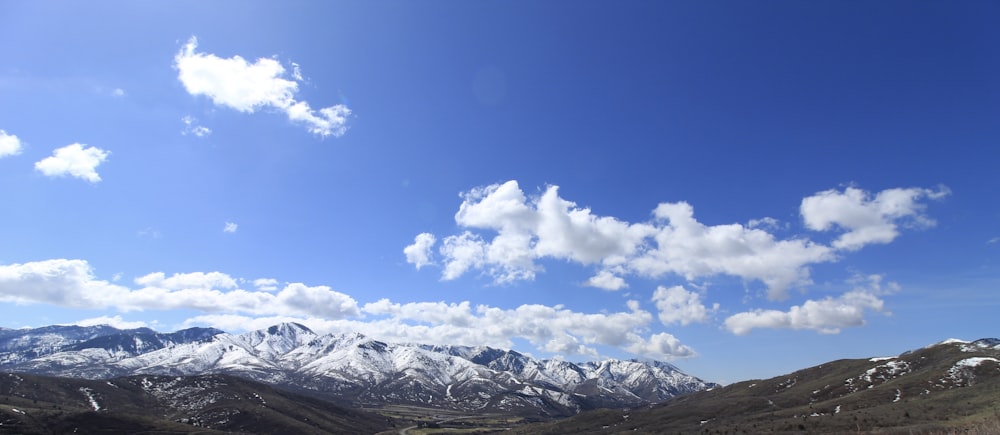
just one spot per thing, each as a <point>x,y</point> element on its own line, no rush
<point>741,188</point>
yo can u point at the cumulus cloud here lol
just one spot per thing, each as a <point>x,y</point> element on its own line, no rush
<point>606,280</point>
<point>867,219</point>
<point>419,253</point>
<point>73,160</point>
<point>528,229</point>
<point>661,344</point>
<point>506,232</point>
<point>68,283</point>
<point>827,316</point>
<point>677,305</point>
<point>230,227</point>
<point>462,252</point>
<point>72,283</point>
<point>223,304</point>
<point>10,145</point>
<point>686,247</point>
<point>192,126</point>
<point>247,87</point>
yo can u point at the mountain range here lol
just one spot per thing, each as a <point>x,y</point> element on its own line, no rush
<point>351,369</point>
<point>286,379</point>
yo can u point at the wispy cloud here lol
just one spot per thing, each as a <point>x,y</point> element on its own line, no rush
<point>230,227</point>
<point>75,161</point>
<point>506,232</point>
<point>10,145</point>
<point>266,284</point>
<point>191,126</point>
<point>114,321</point>
<point>149,233</point>
<point>247,87</point>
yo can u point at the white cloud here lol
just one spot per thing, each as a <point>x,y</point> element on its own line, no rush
<point>266,284</point>
<point>149,233</point>
<point>191,126</point>
<point>661,344</point>
<point>187,281</point>
<point>506,232</point>
<point>324,122</point>
<point>73,160</point>
<point>248,87</point>
<point>113,321</point>
<point>230,227</point>
<point>686,247</point>
<point>528,229</point>
<point>767,223</point>
<point>606,280</point>
<point>827,315</point>
<point>10,145</point>
<point>419,253</point>
<point>69,283</point>
<point>462,252</point>
<point>118,92</point>
<point>677,305</point>
<point>866,219</point>
<point>72,283</point>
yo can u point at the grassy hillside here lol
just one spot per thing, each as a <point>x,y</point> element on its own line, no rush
<point>931,390</point>
<point>158,404</point>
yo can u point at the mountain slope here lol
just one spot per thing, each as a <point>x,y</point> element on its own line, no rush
<point>953,384</point>
<point>32,404</point>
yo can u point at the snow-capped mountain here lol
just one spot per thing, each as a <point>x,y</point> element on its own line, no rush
<point>21,345</point>
<point>357,368</point>
<point>642,381</point>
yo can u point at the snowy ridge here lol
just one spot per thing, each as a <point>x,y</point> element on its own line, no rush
<point>369,371</point>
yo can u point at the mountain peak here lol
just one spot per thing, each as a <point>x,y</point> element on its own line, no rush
<point>289,328</point>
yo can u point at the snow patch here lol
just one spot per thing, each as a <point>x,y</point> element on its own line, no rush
<point>882,358</point>
<point>952,341</point>
<point>90,398</point>
<point>973,362</point>
<point>961,373</point>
